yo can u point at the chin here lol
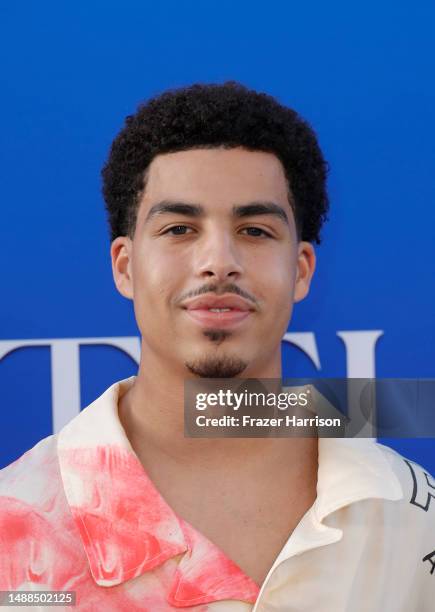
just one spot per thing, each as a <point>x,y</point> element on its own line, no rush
<point>215,366</point>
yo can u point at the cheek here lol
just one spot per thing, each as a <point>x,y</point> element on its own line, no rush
<point>156,277</point>
<point>275,278</point>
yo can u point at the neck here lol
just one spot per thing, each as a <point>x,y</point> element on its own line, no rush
<point>152,414</point>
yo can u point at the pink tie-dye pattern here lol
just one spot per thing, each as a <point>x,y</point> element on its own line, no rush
<point>151,559</point>
<point>206,574</point>
<point>125,525</point>
<point>36,528</point>
<point>147,531</point>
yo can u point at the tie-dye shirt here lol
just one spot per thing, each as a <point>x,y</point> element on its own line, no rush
<point>79,513</point>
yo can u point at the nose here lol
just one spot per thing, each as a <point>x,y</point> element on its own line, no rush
<point>217,258</point>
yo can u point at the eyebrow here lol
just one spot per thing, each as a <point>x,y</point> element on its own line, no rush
<point>196,210</point>
<point>177,208</point>
<point>261,208</point>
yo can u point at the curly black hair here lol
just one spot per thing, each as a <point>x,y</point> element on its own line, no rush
<point>215,115</point>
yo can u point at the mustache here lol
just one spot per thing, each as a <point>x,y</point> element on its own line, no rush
<point>219,290</point>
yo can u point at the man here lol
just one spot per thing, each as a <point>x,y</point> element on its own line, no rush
<point>215,194</point>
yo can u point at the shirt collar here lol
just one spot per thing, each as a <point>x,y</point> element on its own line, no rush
<point>127,528</point>
<point>125,525</point>
<point>350,470</point>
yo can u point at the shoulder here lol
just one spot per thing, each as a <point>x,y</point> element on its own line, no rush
<point>34,476</point>
<point>31,491</point>
<point>34,517</point>
<point>411,524</point>
<point>418,484</point>
<point>413,517</point>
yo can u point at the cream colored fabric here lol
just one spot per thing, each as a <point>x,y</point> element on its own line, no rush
<point>78,512</point>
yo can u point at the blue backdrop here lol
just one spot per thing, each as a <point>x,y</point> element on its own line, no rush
<point>362,74</point>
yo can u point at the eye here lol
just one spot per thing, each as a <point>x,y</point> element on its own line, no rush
<point>257,232</point>
<point>177,230</point>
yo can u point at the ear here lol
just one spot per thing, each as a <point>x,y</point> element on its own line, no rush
<point>306,264</point>
<point>120,252</point>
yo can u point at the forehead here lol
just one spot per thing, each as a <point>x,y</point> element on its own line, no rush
<point>216,176</point>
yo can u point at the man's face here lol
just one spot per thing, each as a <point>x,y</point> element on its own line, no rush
<point>214,265</point>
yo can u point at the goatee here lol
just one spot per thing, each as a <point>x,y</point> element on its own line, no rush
<point>217,367</point>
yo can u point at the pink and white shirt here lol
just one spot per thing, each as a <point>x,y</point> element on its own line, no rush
<point>79,513</point>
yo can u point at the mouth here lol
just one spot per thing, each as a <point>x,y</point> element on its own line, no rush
<point>222,318</point>
<point>218,312</point>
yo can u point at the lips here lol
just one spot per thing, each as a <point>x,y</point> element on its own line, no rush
<point>234,302</point>
<point>218,311</point>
